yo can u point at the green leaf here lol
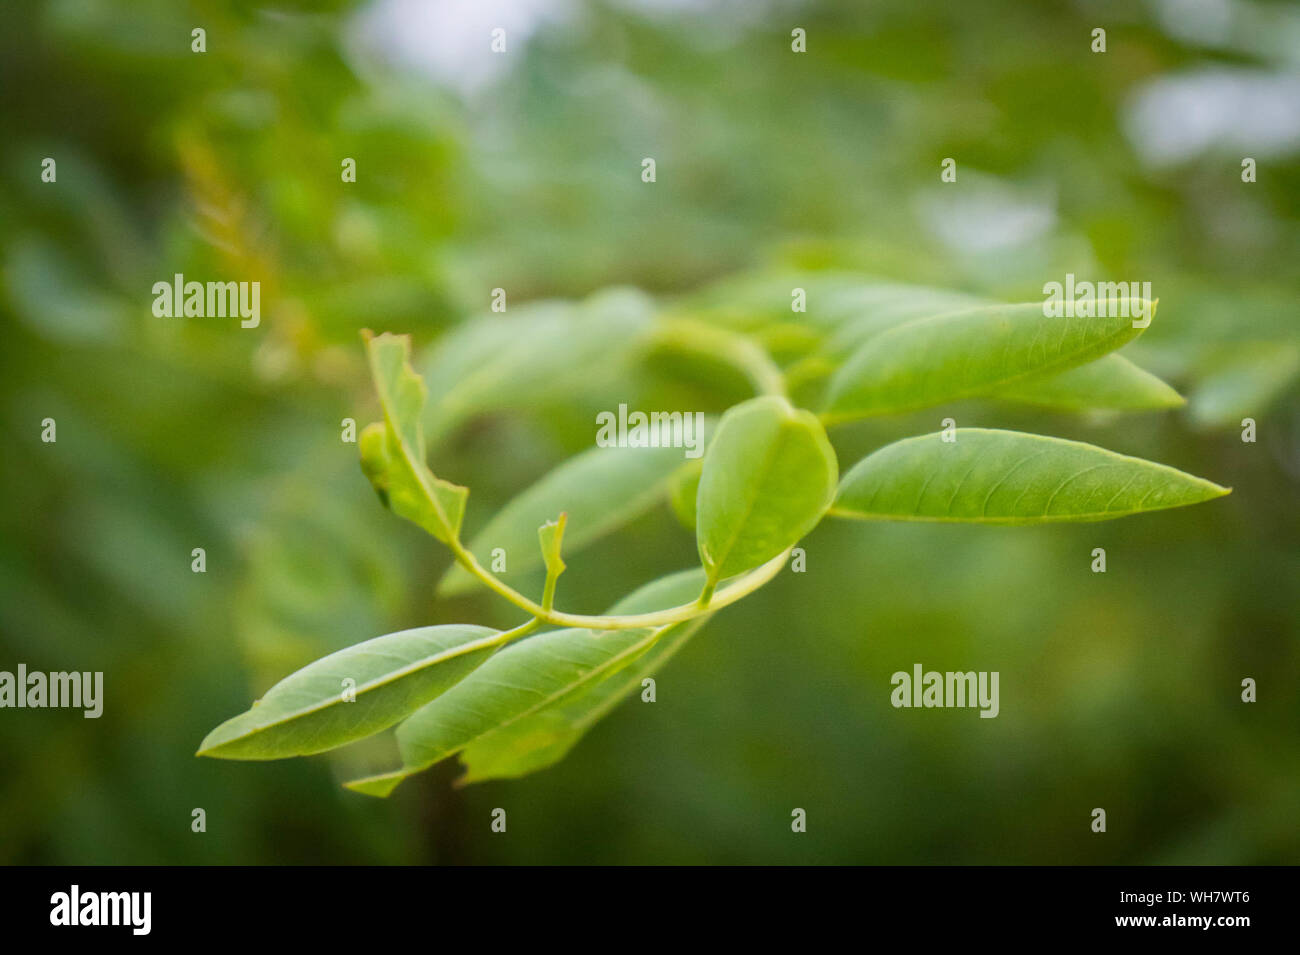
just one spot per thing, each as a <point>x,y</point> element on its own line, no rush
<point>532,353</point>
<point>527,706</point>
<point>551,535</point>
<point>600,489</point>
<point>520,680</point>
<point>1109,383</point>
<point>1006,477</point>
<point>392,453</point>
<point>391,677</point>
<point>769,476</point>
<point>786,341</point>
<point>719,345</point>
<point>546,735</point>
<point>862,313</point>
<point>751,301</point>
<point>931,360</point>
<point>1244,380</point>
<point>683,489</point>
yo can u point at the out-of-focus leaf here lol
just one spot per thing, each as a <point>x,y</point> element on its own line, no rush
<point>858,314</point>
<point>1006,477</point>
<point>739,352</point>
<point>600,489</point>
<point>927,361</point>
<point>754,301</point>
<point>1109,383</point>
<point>531,353</point>
<point>683,488</point>
<point>1244,384</point>
<point>50,296</point>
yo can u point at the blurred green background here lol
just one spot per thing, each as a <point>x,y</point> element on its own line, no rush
<point>522,171</point>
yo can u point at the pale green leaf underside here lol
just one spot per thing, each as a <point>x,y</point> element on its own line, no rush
<point>848,306</point>
<point>532,352</point>
<point>963,354</point>
<point>600,489</point>
<point>769,476</point>
<point>752,301</point>
<point>527,706</point>
<point>545,736</point>
<point>391,677</point>
<point>520,680</point>
<point>1006,477</point>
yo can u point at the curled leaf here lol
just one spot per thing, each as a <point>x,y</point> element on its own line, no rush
<point>551,535</point>
<point>392,451</point>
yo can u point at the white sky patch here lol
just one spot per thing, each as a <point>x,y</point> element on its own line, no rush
<point>1259,30</point>
<point>1206,22</point>
<point>1252,112</point>
<point>983,214</point>
<point>449,40</point>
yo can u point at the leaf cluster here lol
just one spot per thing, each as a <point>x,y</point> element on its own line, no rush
<point>509,702</point>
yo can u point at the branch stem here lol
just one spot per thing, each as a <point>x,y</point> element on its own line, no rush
<point>740,587</point>
<point>720,344</point>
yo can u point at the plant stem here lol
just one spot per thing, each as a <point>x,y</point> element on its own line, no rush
<point>548,591</point>
<point>741,587</point>
<point>808,369</point>
<point>551,536</point>
<point>720,344</point>
<point>523,630</point>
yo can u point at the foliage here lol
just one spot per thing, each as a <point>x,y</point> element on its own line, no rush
<point>768,478</point>
<point>775,170</point>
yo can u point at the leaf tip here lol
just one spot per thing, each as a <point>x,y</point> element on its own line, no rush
<point>210,747</point>
<point>380,786</point>
<point>551,537</point>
